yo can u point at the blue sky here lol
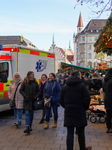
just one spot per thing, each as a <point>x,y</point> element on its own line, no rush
<point>38,20</point>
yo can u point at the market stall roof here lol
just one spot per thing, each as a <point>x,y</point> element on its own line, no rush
<point>76,66</point>
<point>104,42</point>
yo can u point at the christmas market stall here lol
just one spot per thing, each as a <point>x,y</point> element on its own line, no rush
<point>66,67</point>
<point>104,42</point>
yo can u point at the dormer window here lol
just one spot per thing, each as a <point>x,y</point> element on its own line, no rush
<point>97,30</point>
<point>91,30</point>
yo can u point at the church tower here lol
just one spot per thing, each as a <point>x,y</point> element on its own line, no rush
<point>80,24</point>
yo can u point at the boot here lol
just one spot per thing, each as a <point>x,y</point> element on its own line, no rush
<point>17,125</point>
<point>108,130</point>
<point>30,127</point>
<point>88,148</point>
<point>41,121</point>
<point>46,125</point>
<point>27,130</point>
<point>54,125</point>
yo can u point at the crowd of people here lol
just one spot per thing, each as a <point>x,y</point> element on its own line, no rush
<point>72,92</point>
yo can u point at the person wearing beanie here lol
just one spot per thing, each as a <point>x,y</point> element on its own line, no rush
<point>13,93</point>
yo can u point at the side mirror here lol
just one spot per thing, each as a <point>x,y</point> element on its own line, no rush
<point>3,77</point>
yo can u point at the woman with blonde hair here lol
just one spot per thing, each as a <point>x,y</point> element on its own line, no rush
<point>13,93</point>
<point>30,91</point>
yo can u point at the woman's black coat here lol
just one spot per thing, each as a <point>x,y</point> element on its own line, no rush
<point>75,99</point>
<point>108,91</point>
<point>30,92</point>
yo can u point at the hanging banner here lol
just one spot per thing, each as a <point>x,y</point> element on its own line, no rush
<point>102,66</point>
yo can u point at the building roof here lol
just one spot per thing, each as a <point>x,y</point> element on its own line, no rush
<point>69,54</point>
<point>77,37</point>
<point>95,24</point>
<point>80,22</point>
<point>6,40</point>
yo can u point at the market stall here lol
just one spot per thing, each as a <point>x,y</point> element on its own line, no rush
<point>104,42</point>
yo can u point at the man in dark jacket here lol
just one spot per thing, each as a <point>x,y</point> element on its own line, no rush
<point>87,81</point>
<point>75,99</point>
<point>108,99</point>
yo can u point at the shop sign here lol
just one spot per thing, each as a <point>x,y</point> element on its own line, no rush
<point>102,66</point>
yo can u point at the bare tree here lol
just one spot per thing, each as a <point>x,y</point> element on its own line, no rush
<point>101,5</point>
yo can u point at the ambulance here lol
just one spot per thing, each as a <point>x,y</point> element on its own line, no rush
<point>18,58</point>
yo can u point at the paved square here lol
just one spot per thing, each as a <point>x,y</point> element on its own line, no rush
<point>12,138</point>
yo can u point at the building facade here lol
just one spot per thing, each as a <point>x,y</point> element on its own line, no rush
<point>61,55</point>
<point>84,40</point>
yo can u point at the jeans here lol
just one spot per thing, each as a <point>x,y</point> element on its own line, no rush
<point>48,112</point>
<point>29,117</point>
<point>70,138</point>
<point>18,115</point>
<point>43,112</point>
<point>108,118</point>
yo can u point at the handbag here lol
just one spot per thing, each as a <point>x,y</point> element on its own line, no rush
<point>47,101</point>
<point>38,104</point>
<point>12,102</point>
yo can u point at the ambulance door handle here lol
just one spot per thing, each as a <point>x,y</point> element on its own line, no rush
<point>7,85</point>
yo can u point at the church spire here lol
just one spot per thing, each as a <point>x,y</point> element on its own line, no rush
<point>69,46</point>
<point>80,24</point>
<point>53,43</point>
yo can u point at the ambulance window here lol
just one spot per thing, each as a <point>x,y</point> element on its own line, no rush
<point>4,68</point>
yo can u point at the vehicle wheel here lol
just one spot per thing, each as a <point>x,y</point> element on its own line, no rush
<point>93,119</point>
<point>102,119</point>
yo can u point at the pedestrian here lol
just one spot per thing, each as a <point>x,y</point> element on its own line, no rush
<point>88,81</point>
<point>62,81</point>
<point>41,87</point>
<point>75,99</point>
<point>97,82</point>
<point>13,93</point>
<point>52,88</point>
<point>30,91</point>
<point>108,99</point>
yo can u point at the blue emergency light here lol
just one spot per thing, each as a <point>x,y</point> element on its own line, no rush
<point>1,48</point>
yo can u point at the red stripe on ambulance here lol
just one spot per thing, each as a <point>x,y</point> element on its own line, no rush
<point>1,86</point>
<point>34,53</point>
<point>5,57</point>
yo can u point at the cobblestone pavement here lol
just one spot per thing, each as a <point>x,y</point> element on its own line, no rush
<point>12,138</point>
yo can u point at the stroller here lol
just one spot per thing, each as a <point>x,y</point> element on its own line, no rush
<point>96,108</point>
<point>97,111</point>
